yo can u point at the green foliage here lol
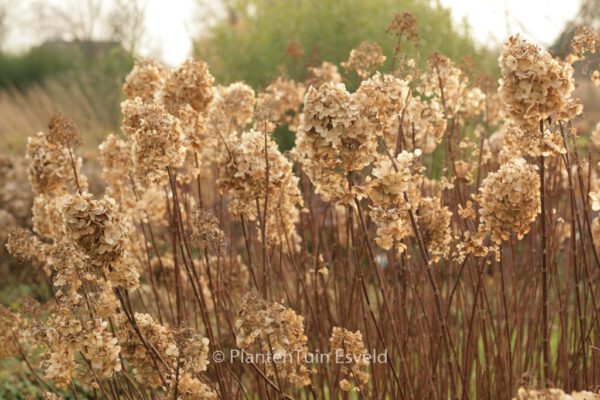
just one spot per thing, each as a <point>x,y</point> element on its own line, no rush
<point>250,44</point>
<point>33,66</point>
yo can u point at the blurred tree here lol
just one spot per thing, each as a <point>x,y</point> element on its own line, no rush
<point>247,39</point>
<point>92,20</point>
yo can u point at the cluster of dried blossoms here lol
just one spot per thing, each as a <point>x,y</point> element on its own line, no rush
<point>145,277</point>
<point>348,348</point>
<point>271,329</point>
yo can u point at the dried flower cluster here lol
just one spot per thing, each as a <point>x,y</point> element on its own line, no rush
<point>407,219</point>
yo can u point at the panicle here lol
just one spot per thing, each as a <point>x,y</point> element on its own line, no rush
<point>145,80</point>
<point>349,347</point>
<point>510,199</point>
<point>190,84</point>
<point>394,189</point>
<point>585,40</point>
<point>62,131</point>
<point>325,73</point>
<point>367,57</point>
<point>404,24</point>
<point>535,86</point>
<point>271,328</point>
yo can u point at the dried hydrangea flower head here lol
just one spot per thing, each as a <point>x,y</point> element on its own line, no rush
<point>553,394</point>
<point>325,73</point>
<point>117,169</point>
<point>206,230</point>
<point>447,83</point>
<point>190,84</point>
<point>510,199</point>
<point>257,172</point>
<point>23,245</point>
<point>100,348</point>
<point>271,328</point>
<point>367,57</point>
<point>158,140</point>
<point>333,140</point>
<point>160,350</point>
<point>47,217</point>
<point>534,86</point>
<point>237,100</point>
<point>525,141</point>
<point>95,226</point>
<point>395,188</point>
<point>435,227</point>
<point>50,170</point>
<point>62,131</point>
<point>382,99</point>
<point>280,103</point>
<point>404,24</point>
<point>188,387</point>
<point>423,126</point>
<point>585,40</point>
<point>348,345</point>
<point>145,80</point>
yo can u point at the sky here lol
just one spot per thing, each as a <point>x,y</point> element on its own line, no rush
<point>170,23</point>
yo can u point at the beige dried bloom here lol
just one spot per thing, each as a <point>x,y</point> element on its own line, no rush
<point>206,230</point>
<point>194,351</point>
<point>50,169</point>
<point>158,140</point>
<point>434,226</point>
<point>394,189</point>
<point>52,396</point>
<point>258,174</point>
<point>100,349</point>
<point>535,86</point>
<point>585,40</point>
<point>190,84</point>
<point>423,126</point>
<point>160,350</point>
<point>279,104</point>
<point>553,394</point>
<point>190,388</point>
<point>117,169</point>
<point>46,216</point>
<point>238,101</point>
<point>325,73</point>
<point>95,227</point>
<point>526,141</point>
<point>145,80</point>
<point>447,83</point>
<point>510,199</point>
<point>348,347</point>
<point>367,57</point>
<point>404,24</point>
<point>24,245</point>
<point>62,131</point>
<point>333,140</point>
<point>271,328</point>
<point>382,99</point>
